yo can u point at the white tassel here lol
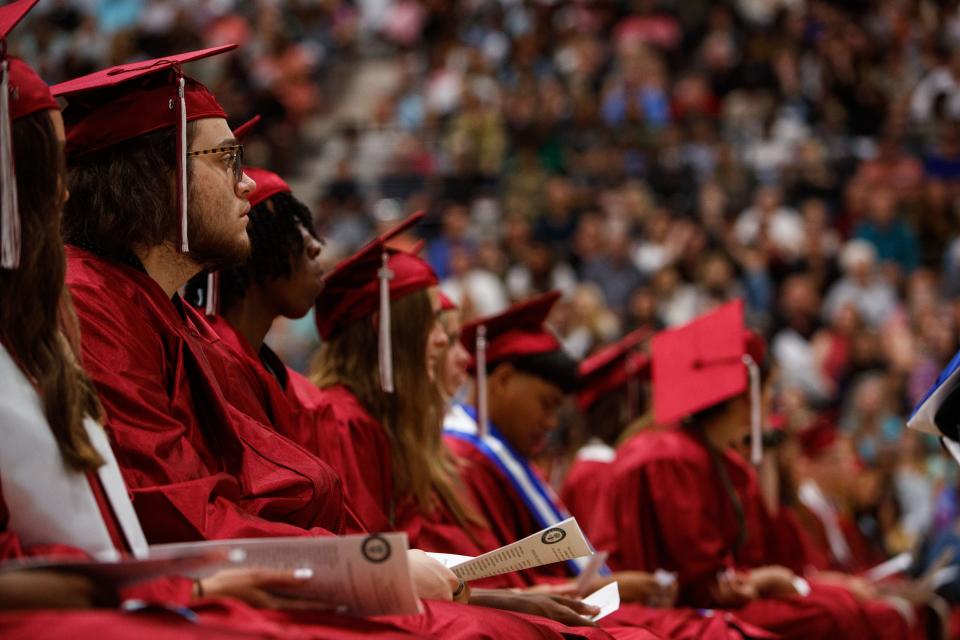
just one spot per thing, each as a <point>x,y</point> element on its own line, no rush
<point>182,164</point>
<point>385,349</point>
<point>482,408</point>
<point>211,301</point>
<point>756,426</point>
<point>9,207</point>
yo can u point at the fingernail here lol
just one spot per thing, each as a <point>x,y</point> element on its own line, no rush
<point>304,573</point>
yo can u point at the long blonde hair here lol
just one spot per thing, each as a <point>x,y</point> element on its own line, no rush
<point>413,415</point>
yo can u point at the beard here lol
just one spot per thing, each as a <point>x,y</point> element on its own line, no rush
<point>214,240</point>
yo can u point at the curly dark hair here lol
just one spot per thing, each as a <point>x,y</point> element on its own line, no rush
<point>275,241</point>
<point>124,196</point>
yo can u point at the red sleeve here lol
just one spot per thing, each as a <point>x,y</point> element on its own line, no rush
<point>582,491</point>
<point>659,515</point>
<point>180,489</point>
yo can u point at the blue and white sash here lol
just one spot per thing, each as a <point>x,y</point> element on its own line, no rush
<point>543,503</point>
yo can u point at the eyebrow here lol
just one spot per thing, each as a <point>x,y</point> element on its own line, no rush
<point>227,142</point>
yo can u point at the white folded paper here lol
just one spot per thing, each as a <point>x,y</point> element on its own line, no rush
<point>361,575</point>
<point>607,598</point>
<point>559,543</point>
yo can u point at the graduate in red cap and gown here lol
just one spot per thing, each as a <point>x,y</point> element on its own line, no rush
<point>522,377</point>
<point>684,500</point>
<point>609,402</point>
<point>197,467</point>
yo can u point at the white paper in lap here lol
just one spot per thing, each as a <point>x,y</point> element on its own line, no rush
<point>606,598</point>
<point>367,575</point>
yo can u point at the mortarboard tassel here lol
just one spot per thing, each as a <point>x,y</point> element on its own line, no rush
<point>182,162</point>
<point>756,435</point>
<point>385,348</point>
<point>9,207</point>
<point>212,297</point>
<point>482,408</point>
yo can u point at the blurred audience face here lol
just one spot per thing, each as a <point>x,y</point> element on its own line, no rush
<point>456,222</point>
<point>799,301</point>
<point>832,469</point>
<point>882,207</point>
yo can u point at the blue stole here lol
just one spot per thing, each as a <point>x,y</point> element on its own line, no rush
<point>540,499</point>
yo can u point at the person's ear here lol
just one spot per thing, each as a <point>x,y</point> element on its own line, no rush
<point>501,377</point>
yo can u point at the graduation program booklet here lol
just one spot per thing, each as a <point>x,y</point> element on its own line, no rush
<point>358,574</point>
<point>564,541</point>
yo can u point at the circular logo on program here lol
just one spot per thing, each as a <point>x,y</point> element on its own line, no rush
<point>553,536</point>
<point>376,549</point>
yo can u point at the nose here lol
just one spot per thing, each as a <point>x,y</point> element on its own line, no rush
<point>246,187</point>
<point>314,247</point>
<point>441,339</point>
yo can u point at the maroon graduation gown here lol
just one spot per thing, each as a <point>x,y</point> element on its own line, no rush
<point>667,507</point>
<point>582,489</point>
<point>197,467</point>
<point>345,435</point>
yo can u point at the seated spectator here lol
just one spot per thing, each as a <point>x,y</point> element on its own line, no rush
<point>883,227</point>
<point>769,222</point>
<point>873,298</point>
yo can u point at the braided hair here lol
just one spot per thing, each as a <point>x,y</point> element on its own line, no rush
<point>275,240</point>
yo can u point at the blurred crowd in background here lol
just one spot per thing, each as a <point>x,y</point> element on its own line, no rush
<point>649,158</point>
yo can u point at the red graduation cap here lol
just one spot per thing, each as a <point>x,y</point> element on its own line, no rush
<point>446,304</point>
<point>22,93</point>
<point>269,184</point>
<point>613,367</point>
<point>241,132</point>
<point>514,333</point>
<point>117,104</point>
<point>367,282</point>
<point>712,359</point>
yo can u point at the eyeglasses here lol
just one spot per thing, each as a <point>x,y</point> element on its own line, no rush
<point>236,158</point>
